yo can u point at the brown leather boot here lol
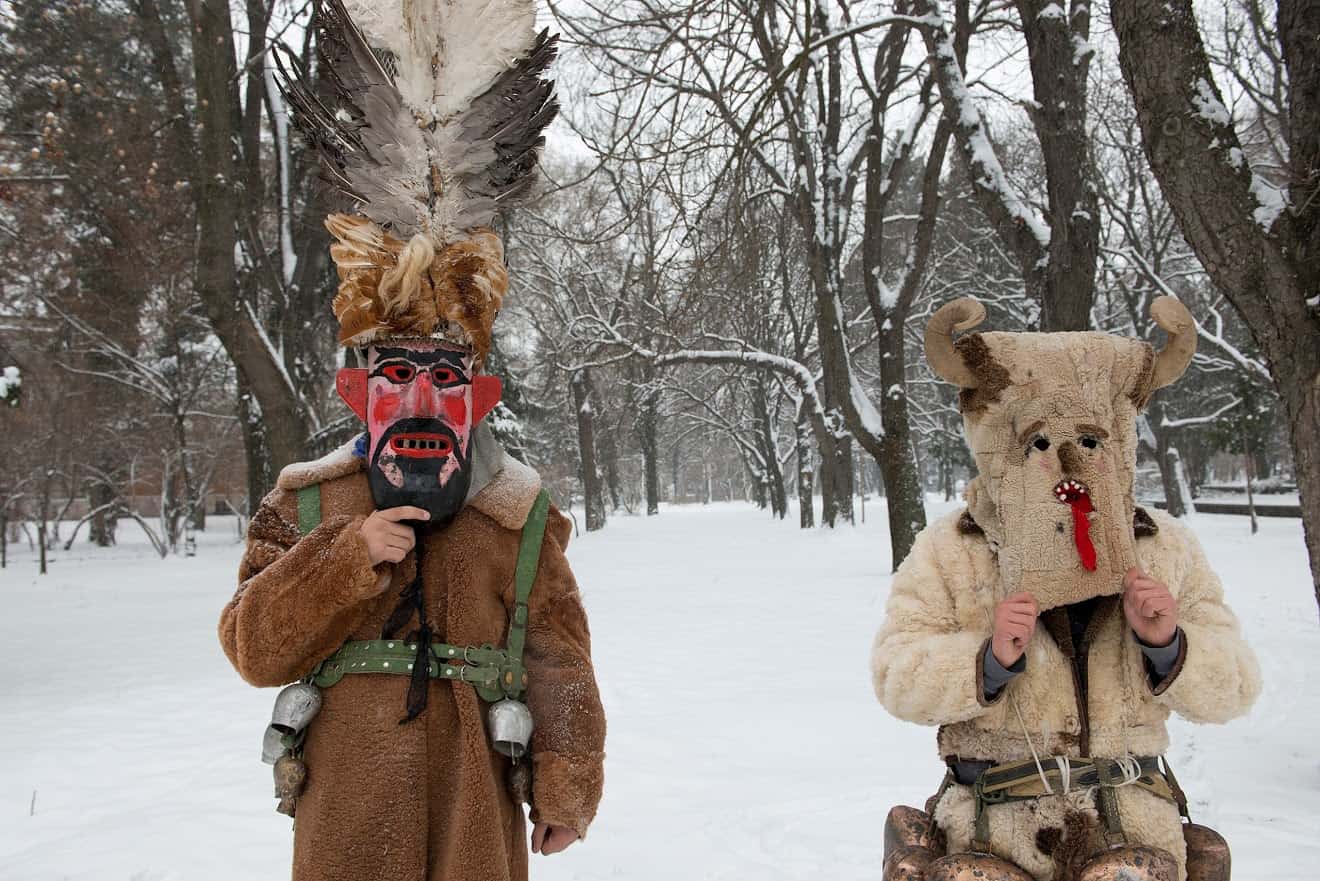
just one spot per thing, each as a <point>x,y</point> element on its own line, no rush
<point>974,867</point>
<point>1127,862</point>
<point>1208,858</point>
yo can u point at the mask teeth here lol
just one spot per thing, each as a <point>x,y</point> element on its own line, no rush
<point>1066,489</point>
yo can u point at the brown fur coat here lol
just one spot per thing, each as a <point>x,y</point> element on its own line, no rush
<point>926,666</point>
<point>425,800</point>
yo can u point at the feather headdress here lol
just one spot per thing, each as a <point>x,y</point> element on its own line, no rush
<point>438,112</point>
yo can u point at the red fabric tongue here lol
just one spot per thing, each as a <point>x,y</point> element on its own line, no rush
<point>1081,506</point>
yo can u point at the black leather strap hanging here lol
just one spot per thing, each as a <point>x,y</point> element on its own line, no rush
<point>413,599</point>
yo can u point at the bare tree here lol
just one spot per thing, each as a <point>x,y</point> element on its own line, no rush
<point>1257,241</point>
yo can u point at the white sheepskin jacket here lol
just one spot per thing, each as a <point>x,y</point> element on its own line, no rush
<point>926,667</point>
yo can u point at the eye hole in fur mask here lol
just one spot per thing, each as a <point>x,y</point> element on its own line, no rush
<point>1040,443</point>
<point>1090,442</point>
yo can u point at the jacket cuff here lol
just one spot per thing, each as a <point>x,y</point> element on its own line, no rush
<point>566,789</point>
<point>1163,663</point>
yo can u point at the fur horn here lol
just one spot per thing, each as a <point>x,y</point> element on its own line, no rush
<point>962,314</point>
<point>1172,360</point>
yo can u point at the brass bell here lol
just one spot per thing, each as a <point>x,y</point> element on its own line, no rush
<point>1208,858</point>
<point>290,778</point>
<point>975,867</point>
<point>1126,862</point>
<point>908,862</point>
<point>909,826</point>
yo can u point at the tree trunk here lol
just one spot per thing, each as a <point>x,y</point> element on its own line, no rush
<point>1166,457</point>
<point>765,442</point>
<point>102,530</point>
<point>805,471</point>
<point>907,508</point>
<point>220,199</point>
<point>1261,257</point>
<point>647,438</point>
<point>593,496</point>
<point>674,470</point>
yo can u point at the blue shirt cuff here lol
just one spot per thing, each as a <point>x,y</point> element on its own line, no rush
<point>996,674</point>
<point>1162,658</point>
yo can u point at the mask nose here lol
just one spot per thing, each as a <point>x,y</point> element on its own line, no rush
<point>424,403</point>
<point>1070,458</point>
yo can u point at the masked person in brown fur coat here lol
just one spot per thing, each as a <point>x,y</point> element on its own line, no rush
<point>412,585</point>
<point>1051,627</point>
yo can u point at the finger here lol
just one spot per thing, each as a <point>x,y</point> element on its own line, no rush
<point>558,840</point>
<point>1017,632</point>
<point>538,837</point>
<point>393,555</point>
<point>1145,584</point>
<point>395,544</point>
<point>399,531</point>
<point>1154,589</point>
<point>1023,596</point>
<point>404,512</point>
<point>1132,575</point>
<point>1151,608</point>
<point>1025,621</point>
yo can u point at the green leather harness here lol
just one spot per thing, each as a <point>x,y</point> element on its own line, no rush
<point>494,673</point>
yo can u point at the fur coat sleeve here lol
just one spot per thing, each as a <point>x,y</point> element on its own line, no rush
<point>569,739</point>
<point>1216,677</point>
<point>299,597</point>
<point>926,661</point>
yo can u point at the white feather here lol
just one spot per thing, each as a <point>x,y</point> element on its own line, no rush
<point>447,52</point>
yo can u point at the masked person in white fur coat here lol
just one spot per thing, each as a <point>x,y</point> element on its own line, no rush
<point>1051,627</point>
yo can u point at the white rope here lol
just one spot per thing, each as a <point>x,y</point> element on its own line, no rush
<point>1040,769</point>
<point>1065,772</point>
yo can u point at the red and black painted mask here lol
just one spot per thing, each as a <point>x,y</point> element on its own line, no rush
<point>420,400</point>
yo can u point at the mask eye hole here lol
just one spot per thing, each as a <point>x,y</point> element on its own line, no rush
<point>399,373</point>
<point>1041,443</point>
<point>444,376</point>
<point>1090,442</point>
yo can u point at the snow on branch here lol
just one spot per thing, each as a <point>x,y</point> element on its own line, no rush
<point>986,172</point>
<point>1200,420</point>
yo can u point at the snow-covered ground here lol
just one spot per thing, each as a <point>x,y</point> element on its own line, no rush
<point>744,740</point>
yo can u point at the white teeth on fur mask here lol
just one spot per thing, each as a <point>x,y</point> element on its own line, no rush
<point>1051,421</point>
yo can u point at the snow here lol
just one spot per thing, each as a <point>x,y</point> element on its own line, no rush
<point>1052,11</point>
<point>1270,202</point>
<point>1208,105</point>
<point>10,378</point>
<point>142,745</point>
<point>866,410</point>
